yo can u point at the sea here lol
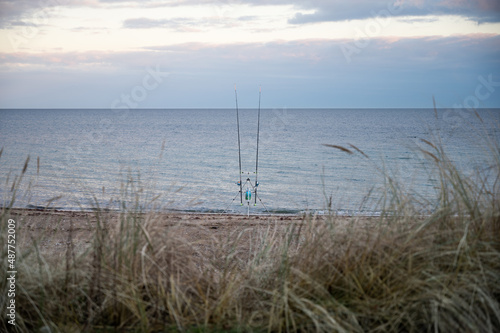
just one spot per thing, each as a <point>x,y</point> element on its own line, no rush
<point>309,160</point>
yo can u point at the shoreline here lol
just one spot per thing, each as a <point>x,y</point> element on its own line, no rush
<point>19,210</point>
<point>348,213</point>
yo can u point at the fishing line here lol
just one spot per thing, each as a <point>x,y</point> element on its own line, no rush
<point>257,156</point>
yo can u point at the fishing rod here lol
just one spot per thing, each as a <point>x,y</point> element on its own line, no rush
<point>248,183</point>
<point>257,155</point>
<point>239,144</point>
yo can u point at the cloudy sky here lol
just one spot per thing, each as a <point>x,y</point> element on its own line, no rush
<point>181,54</point>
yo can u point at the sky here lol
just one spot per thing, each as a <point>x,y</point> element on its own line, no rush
<point>192,54</point>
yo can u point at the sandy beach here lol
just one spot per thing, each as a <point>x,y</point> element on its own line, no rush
<point>97,270</point>
<point>55,230</point>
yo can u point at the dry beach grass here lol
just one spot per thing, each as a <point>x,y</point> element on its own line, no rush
<point>143,271</point>
<point>53,229</point>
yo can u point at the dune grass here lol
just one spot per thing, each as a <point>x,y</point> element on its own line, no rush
<point>438,272</point>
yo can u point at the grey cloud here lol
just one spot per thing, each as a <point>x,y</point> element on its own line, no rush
<point>481,11</point>
<point>411,69</point>
<point>29,12</point>
<point>13,12</point>
<point>444,51</point>
<point>478,10</point>
<point>146,23</point>
<point>341,11</point>
<point>22,24</point>
<point>184,24</point>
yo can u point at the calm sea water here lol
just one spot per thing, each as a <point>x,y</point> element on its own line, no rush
<point>188,159</point>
